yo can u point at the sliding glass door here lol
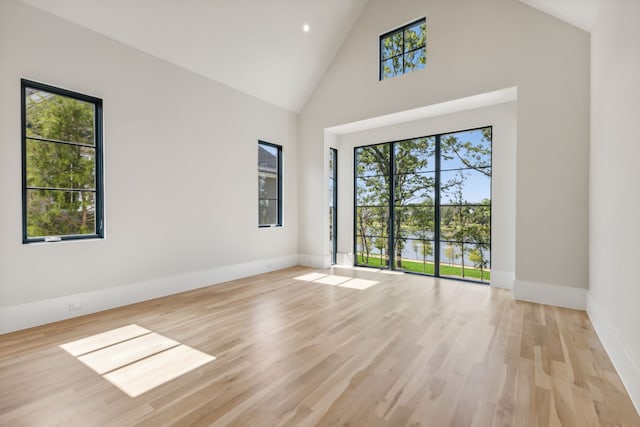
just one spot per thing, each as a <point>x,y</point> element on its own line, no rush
<point>423,205</point>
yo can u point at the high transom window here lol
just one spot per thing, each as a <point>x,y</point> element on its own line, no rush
<point>403,49</point>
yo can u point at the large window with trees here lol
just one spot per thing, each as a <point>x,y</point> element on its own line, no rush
<point>403,49</point>
<point>423,205</point>
<point>269,184</point>
<point>61,164</point>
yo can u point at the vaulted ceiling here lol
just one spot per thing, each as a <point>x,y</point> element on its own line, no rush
<point>255,46</point>
<point>581,13</point>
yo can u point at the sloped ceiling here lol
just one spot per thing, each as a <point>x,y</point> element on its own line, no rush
<point>581,13</point>
<point>255,46</point>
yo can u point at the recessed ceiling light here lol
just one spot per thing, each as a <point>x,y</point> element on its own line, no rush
<point>306,28</point>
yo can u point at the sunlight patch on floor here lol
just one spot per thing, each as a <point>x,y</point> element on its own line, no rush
<point>311,277</point>
<point>360,284</point>
<point>135,359</point>
<point>105,339</point>
<point>335,280</point>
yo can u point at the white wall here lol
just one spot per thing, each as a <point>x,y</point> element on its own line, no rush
<point>615,201</point>
<point>180,176</point>
<point>503,119</point>
<point>475,47</point>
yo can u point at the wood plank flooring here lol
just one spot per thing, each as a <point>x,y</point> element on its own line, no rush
<point>408,351</point>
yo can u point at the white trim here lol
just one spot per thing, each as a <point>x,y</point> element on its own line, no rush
<point>546,293</point>
<point>626,363</point>
<point>314,261</point>
<point>22,316</point>
<point>345,259</point>
<point>434,110</point>
<point>502,279</point>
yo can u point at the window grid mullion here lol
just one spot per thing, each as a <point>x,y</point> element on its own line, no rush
<point>56,141</point>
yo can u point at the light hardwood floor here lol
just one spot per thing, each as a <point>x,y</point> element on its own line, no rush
<point>408,351</point>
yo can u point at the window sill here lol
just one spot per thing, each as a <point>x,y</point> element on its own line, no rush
<point>63,240</point>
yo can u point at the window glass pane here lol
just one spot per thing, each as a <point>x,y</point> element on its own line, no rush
<point>372,191</point>
<point>372,221</point>
<point>470,149</point>
<point>268,186</point>
<point>268,209</point>
<point>415,222</point>
<point>59,117</point>
<point>392,67</point>
<point>267,158</point>
<point>372,160</point>
<point>415,155</point>
<point>415,60</point>
<point>465,186</point>
<point>331,190</point>
<point>415,36</point>
<point>55,165</point>
<point>466,223</point>
<point>416,256</point>
<point>465,260</point>
<point>415,189</point>
<point>391,45</point>
<point>59,213</point>
<point>371,251</point>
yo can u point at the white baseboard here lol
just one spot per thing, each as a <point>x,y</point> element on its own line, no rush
<point>502,279</point>
<point>22,316</point>
<point>626,363</point>
<point>314,261</point>
<point>546,293</point>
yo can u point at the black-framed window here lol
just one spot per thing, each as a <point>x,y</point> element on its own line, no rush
<point>62,172</point>
<point>269,184</point>
<point>423,205</point>
<point>403,49</point>
<point>333,204</point>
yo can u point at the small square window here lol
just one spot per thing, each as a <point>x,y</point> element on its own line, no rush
<point>403,49</point>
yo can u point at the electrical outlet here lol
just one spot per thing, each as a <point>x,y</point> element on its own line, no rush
<point>75,306</point>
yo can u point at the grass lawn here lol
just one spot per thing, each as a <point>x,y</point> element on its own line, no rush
<point>428,268</point>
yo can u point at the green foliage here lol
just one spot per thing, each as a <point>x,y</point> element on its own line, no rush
<point>451,253</point>
<point>55,171</point>
<point>428,268</point>
<point>404,50</point>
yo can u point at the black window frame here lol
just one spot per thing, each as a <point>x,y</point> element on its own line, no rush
<point>98,161</point>
<point>333,177</point>
<point>278,187</point>
<point>403,53</point>
<point>437,220</point>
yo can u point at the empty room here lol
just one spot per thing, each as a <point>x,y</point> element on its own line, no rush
<point>319,213</point>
